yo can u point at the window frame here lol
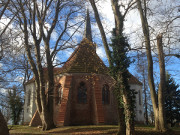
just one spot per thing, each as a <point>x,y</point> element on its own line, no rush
<point>82,93</point>
<point>29,98</point>
<point>139,94</point>
<point>105,94</point>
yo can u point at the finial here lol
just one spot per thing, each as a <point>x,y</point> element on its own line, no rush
<point>87,32</point>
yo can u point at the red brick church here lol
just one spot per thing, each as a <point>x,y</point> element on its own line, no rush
<point>83,94</point>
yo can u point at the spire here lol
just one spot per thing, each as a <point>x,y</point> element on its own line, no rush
<point>87,32</point>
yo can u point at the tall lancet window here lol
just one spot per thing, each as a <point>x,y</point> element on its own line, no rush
<point>29,98</point>
<point>82,93</point>
<point>139,97</point>
<point>105,94</point>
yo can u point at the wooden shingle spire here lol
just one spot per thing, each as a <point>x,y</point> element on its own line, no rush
<point>87,32</point>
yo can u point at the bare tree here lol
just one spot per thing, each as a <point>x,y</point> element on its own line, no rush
<point>141,68</point>
<point>158,104</point>
<point>3,5</point>
<point>119,16</point>
<point>3,126</point>
<point>38,20</point>
<point>103,35</point>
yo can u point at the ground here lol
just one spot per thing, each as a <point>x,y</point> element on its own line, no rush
<point>86,130</point>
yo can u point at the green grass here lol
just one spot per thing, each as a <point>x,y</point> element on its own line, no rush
<point>19,129</point>
<point>86,130</point>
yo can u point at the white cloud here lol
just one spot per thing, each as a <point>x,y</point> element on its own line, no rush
<point>105,10</point>
<point>19,79</point>
<point>3,91</point>
<point>101,52</point>
<point>4,21</point>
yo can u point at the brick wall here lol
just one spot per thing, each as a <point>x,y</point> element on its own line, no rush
<point>70,112</point>
<point>98,98</point>
<point>80,113</point>
<point>63,107</point>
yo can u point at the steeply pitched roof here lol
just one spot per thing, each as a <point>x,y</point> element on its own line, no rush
<point>55,70</point>
<point>134,80</point>
<point>85,60</point>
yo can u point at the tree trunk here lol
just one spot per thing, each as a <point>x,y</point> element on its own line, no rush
<point>3,126</point>
<point>128,115</point>
<point>158,110</point>
<point>119,18</point>
<point>145,102</point>
<point>128,108</point>
<point>37,17</point>
<point>126,121</point>
<point>120,106</point>
<point>156,118</point>
<point>122,125</point>
<point>145,98</point>
<point>162,122</point>
<point>124,128</point>
<point>45,110</point>
<point>5,6</point>
<point>119,24</point>
<point>150,62</point>
<point>50,103</point>
<point>119,21</point>
<point>47,121</point>
<point>44,106</point>
<point>103,36</point>
<point>46,97</point>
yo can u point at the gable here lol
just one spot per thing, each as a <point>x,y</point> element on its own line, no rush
<point>85,60</point>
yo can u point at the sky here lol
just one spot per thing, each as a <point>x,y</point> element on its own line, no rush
<point>132,28</point>
<point>133,31</point>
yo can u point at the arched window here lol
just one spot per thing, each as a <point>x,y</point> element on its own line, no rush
<point>105,94</point>
<point>82,93</point>
<point>29,98</point>
<point>139,97</point>
<point>59,95</point>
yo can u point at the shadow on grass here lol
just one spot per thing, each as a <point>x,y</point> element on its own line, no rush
<point>94,133</point>
<point>169,132</point>
<point>90,130</point>
<point>26,134</point>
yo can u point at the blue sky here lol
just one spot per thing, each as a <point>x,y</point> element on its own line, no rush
<point>132,28</point>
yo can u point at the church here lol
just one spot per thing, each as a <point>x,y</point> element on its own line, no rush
<point>83,91</point>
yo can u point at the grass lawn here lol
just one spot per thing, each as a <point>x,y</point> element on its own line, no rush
<point>86,130</point>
